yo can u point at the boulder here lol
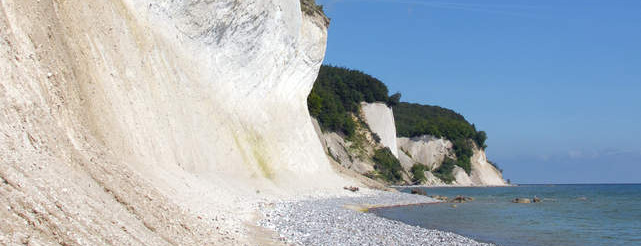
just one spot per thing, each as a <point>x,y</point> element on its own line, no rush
<point>418,191</point>
<point>439,197</point>
<point>351,188</point>
<point>462,199</point>
<point>521,200</point>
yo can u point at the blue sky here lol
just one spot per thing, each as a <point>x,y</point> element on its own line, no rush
<point>556,84</point>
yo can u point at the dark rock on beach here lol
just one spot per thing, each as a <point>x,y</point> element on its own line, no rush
<point>521,200</point>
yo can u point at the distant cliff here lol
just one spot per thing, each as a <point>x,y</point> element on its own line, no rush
<point>432,145</point>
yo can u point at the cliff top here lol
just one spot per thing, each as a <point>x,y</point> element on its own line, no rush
<point>310,8</point>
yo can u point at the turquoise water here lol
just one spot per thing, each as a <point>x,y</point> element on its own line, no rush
<point>569,214</point>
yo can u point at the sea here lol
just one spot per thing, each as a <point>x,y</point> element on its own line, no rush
<point>572,214</point>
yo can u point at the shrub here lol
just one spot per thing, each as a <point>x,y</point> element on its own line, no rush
<point>444,172</point>
<point>480,138</point>
<point>495,165</point>
<point>387,165</point>
<point>418,173</point>
<point>463,150</point>
<point>310,7</point>
<point>406,153</point>
<point>370,174</point>
<point>394,99</point>
<point>376,137</point>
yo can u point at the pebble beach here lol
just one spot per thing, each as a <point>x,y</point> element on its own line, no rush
<point>345,221</point>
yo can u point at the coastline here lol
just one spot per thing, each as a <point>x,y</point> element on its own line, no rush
<point>345,221</point>
<point>450,186</point>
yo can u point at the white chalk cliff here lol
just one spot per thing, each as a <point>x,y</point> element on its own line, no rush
<point>380,119</point>
<point>426,150</point>
<point>483,172</point>
<point>139,121</point>
<point>431,151</point>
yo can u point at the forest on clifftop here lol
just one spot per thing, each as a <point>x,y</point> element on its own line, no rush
<point>338,92</point>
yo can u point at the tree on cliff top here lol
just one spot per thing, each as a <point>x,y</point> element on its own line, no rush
<point>310,7</point>
<point>415,120</point>
<point>338,92</point>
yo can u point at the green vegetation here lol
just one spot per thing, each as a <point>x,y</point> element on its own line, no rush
<point>415,120</point>
<point>406,153</point>
<point>310,7</point>
<point>495,166</point>
<point>463,151</point>
<point>376,137</point>
<point>387,166</point>
<point>358,139</point>
<point>394,99</point>
<point>338,92</point>
<point>444,172</point>
<point>418,173</point>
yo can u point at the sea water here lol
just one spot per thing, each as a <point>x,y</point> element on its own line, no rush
<point>597,214</point>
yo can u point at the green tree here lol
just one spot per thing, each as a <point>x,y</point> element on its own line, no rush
<point>338,92</point>
<point>480,138</point>
<point>315,104</point>
<point>415,120</point>
<point>444,172</point>
<point>418,173</point>
<point>386,164</point>
<point>394,99</point>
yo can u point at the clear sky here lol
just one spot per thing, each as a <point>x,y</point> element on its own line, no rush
<point>556,84</point>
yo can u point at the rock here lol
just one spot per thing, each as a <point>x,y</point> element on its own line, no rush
<point>321,222</point>
<point>521,200</point>
<point>418,191</point>
<point>462,199</point>
<point>439,197</point>
<point>351,188</point>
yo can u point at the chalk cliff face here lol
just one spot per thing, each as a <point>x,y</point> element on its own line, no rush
<point>430,152</point>
<point>356,153</point>
<point>380,119</point>
<point>427,150</point>
<point>127,121</point>
<point>483,172</point>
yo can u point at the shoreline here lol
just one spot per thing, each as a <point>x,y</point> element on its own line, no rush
<point>451,186</point>
<point>346,221</point>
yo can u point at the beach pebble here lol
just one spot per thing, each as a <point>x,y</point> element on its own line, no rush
<point>330,222</point>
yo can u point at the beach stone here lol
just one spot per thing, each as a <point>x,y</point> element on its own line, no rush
<point>439,197</point>
<point>462,199</point>
<point>329,221</point>
<point>418,191</point>
<point>521,200</point>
